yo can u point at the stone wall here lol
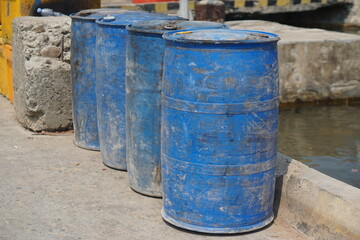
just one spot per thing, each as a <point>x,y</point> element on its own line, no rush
<point>41,72</point>
<point>314,64</point>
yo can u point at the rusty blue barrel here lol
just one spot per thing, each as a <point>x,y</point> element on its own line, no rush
<point>110,83</point>
<point>83,40</point>
<point>220,100</point>
<point>145,55</point>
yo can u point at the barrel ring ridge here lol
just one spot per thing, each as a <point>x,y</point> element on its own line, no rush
<point>220,108</point>
<point>218,170</point>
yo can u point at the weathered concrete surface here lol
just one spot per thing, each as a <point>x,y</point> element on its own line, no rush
<point>318,205</point>
<point>41,72</point>
<point>314,64</point>
<point>51,189</point>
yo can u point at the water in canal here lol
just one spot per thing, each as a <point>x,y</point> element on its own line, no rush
<point>326,138</point>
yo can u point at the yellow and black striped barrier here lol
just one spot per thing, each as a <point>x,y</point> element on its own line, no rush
<point>160,7</point>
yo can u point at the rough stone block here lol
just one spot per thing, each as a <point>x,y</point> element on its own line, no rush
<point>41,72</point>
<point>314,64</point>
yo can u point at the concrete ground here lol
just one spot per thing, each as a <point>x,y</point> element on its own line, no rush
<point>51,189</point>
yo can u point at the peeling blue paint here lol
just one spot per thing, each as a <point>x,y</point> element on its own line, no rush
<point>83,40</point>
<point>145,55</point>
<point>220,97</point>
<point>110,83</point>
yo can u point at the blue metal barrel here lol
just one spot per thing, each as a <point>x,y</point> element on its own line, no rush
<point>110,83</point>
<point>219,129</point>
<point>83,40</point>
<point>145,55</point>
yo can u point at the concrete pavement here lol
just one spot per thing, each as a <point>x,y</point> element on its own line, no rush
<point>51,189</point>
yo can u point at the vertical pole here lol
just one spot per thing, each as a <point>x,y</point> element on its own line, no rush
<point>184,10</point>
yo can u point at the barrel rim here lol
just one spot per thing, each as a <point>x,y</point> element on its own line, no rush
<point>176,37</point>
<point>142,27</point>
<point>106,24</point>
<point>134,17</point>
<point>94,14</point>
<point>216,230</point>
